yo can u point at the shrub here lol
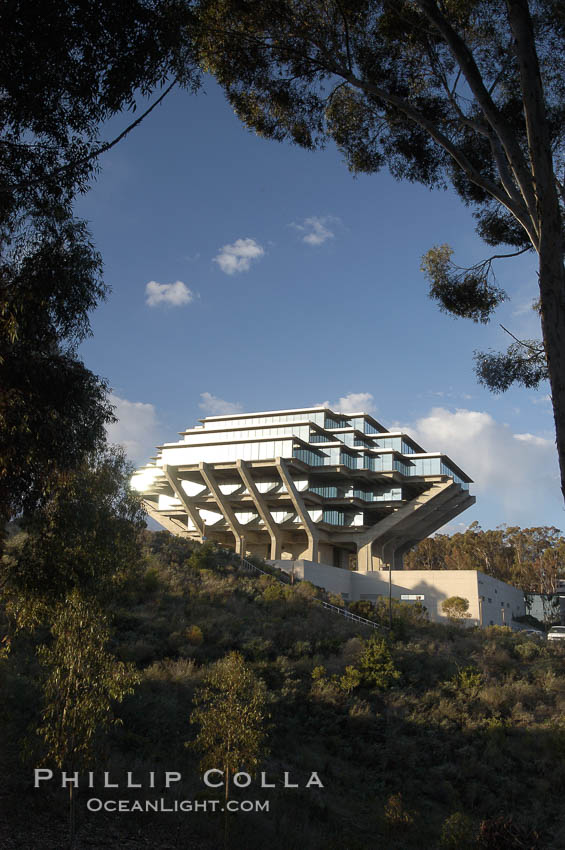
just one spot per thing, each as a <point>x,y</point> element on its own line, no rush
<point>468,679</point>
<point>170,670</point>
<point>396,814</point>
<point>318,673</point>
<point>376,664</point>
<point>150,581</point>
<point>457,833</point>
<point>194,635</point>
<point>301,648</point>
<point>350,680</point>
<point>307,590</point>
<point>363,608</point>
<point>504,832</point>
<point>456,608</point>
<point>336,599</point>
<point>273,592</point>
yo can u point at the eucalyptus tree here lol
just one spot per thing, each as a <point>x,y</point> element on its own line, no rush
<point>230,711</point>
<point>83,682</point>
<point>463,92</point>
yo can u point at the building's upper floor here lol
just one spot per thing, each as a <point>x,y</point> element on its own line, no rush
<point>318,437</point>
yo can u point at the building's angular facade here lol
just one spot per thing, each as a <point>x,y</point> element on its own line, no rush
<point>310,484</point>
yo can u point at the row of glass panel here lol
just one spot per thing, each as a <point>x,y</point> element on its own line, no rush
<point>436,466</point>
<point>396,443</point>
<point>342,518</point>
<point>362,425</point>
<point>385,463</point>
<point>181,454</point>
<point>253,421</point>
<point>317,416</point>
<point>331,492</point>
<point>219,435</point>
<point>268,449</point>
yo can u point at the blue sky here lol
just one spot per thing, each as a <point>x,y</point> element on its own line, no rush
<point>250,275</point>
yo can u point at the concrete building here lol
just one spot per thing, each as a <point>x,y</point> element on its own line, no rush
<point>331,488</point>
<point>491,602</point>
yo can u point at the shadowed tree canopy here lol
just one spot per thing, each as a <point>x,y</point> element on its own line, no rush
<point>85,538</point>
<point>460,92</point>
<point>65,68</point>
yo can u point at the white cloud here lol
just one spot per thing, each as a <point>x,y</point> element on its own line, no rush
<point>453,528</point>
<point>542,442</point>
<point>215,406</point>
<point>544,400</point>
<point>316,230</point>
<point>137,428</point>
<point>516,474</point>
<point>450,393</point>
<point>171,294</point>
<point>352,403</point>
<point>238,256</point>
<point>525,308</point>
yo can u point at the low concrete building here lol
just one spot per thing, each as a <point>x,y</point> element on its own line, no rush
<point>491,602</point>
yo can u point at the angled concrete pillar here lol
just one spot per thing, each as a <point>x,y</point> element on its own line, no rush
<point>185,501</point>
<point>224,506</point>
<point>312,532</point>
<point>398,524</point>
<point>275,533</point>
<point>434,521</point>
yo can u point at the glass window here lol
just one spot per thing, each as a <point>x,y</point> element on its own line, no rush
<point>326,492</point>
<point>334,517</point>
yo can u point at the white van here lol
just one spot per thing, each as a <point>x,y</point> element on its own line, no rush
<point>556,633</point>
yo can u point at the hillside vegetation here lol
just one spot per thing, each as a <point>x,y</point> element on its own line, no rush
<point>429,737</point>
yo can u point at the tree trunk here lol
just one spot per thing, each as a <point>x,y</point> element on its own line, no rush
<point>226,809</point>
<point>552,291</point>
<point>549,219</point>
<point>72,825</point>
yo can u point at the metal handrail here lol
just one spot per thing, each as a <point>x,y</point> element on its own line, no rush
<point>249,566</point>
<point>349,615</point>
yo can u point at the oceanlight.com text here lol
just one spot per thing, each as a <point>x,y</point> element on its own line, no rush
<point>95,804</point>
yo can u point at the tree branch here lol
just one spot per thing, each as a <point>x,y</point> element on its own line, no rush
<point>504,171</point>
<point>517,209</point>
<point>107,145</point>
<point>537,350</point>
<point>346,28</point>
<point>466,62</point>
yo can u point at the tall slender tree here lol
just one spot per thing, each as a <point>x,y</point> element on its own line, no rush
<point>83,682</point>
<point>230,711</point>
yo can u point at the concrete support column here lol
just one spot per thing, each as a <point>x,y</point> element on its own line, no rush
<point>224,506</point>
<point>275,533</point>
<point>189,507</point>
<point>365,557</point>
<point>312,533</point>
<point>384,553</point>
